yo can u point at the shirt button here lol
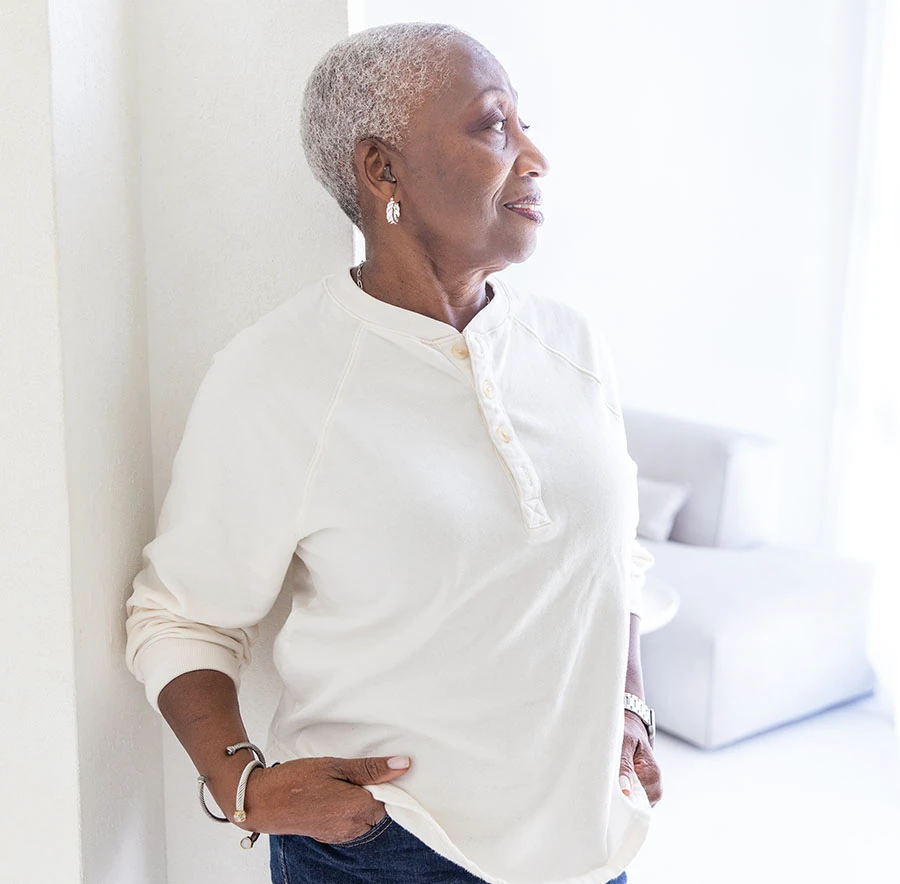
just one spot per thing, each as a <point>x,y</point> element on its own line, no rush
<point>488,389</point>
<point>459,350</point>
<point>503,433</point>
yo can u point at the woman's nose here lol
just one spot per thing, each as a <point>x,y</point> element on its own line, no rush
<point>530,160</point>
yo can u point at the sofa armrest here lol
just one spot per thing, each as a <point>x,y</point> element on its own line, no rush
<point>734,477</point>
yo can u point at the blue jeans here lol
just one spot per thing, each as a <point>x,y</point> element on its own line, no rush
<point>386,854</point>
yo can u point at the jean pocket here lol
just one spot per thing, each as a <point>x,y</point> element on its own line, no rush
<point>378,829</point>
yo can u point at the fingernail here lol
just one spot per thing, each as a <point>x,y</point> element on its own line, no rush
<point>625,783</point>
<point>398,762</point>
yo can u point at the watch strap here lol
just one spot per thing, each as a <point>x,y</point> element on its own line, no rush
<point>636,705</point>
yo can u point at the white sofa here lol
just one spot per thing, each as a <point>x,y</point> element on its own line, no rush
<point>763,634</point>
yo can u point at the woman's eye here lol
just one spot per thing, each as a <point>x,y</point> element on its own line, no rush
<point>500,125</point>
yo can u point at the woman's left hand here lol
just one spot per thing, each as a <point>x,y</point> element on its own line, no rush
<point>637,761</point>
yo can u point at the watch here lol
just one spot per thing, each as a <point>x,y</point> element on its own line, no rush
<point>635,704</point>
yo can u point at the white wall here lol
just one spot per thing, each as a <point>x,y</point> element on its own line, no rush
<point>83,756</point>
<point>36,630</point>
<point>233,224</point>
<point>150,211</point>
<point>103,315</point>
<point>699,200</point>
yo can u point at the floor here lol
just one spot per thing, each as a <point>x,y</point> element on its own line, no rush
<point>814,801</point>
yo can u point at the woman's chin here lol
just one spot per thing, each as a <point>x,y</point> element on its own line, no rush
<point>524,252</point>
<point>499,254</point>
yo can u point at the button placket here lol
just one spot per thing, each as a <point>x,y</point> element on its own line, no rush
<point>516,460</point>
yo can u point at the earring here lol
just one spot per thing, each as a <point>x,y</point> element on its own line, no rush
<point>392,211</point>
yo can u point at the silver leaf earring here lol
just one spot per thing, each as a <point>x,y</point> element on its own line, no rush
<point>392,211</point>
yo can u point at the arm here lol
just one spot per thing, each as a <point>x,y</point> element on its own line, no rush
<point>202,709</point>
<point>225,539</point>
<point>634,678</point>
<point>637,760</point>
<point>637,756</point>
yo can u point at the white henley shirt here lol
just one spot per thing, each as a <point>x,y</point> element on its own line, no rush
<point>456,515</point>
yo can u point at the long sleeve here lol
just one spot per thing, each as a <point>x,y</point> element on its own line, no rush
<point>641,560</point>
<point>225,538</point>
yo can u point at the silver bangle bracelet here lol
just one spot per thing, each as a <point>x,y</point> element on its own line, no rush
<point>240,814</point>
<point>231,750</point>
<point>219,819</point>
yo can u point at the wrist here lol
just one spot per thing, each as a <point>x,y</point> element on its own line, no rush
<point>222,782</point>
<point>239,816</point>
<point>635,717</point>
<point>640,710</point>
<point>634,681</point>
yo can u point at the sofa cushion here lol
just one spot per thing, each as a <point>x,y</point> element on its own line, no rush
<point>762,636</point>
<point>658,503</point>
<point>734,477</point>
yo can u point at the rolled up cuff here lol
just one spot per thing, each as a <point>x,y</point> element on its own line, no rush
<point>641,561</point>
<point>161,661</point>
<point>636,598</point>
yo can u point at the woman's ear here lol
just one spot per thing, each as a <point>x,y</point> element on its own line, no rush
<point>373,168</point>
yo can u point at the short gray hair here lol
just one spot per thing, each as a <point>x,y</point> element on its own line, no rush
<point>365,86</point>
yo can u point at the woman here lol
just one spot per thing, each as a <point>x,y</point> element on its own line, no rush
<point>436,464</point>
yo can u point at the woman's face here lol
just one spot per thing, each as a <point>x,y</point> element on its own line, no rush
<point>466,162</point>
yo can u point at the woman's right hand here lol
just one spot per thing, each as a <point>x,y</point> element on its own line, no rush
<point>319,797</point>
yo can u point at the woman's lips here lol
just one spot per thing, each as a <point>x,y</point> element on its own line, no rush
<point>527,210</point>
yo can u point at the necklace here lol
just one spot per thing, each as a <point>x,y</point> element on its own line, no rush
<point>490,297</point>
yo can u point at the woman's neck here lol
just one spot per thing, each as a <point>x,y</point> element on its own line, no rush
<point>453,297</point>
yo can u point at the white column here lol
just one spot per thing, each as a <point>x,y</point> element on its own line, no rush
<point>37,686</point>
<point>83,775</point>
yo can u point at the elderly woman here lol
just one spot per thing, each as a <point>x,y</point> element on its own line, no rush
<point>435,463</point>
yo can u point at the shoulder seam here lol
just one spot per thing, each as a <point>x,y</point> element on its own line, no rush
<point>556,352</point>
<point>320,442</point>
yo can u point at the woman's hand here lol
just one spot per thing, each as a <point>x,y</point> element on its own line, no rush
<point>319,797</point>
<point>637,760</point>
